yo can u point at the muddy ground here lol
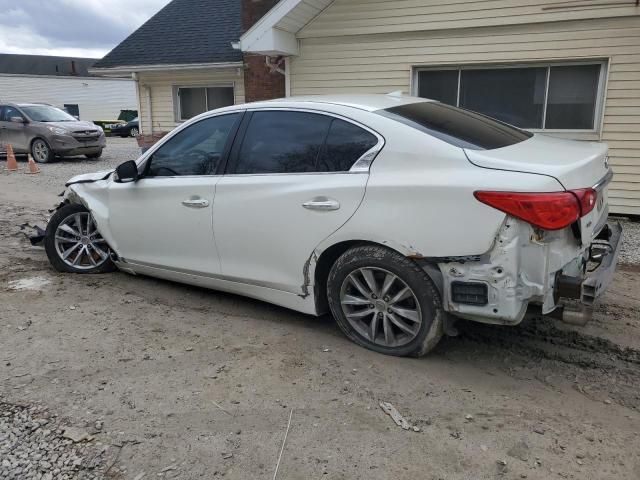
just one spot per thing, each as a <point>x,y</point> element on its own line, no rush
<point>190,383</point>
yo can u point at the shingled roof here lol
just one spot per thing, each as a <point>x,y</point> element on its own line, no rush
<point>45,65</point>
<point>183,32</point>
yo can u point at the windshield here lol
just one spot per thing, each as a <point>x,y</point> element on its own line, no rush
<point>45,113</point>
<point>456,126</point>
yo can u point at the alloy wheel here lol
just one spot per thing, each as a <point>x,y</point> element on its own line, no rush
<point>79,244</point>
<point>381,307</point>
<point>40,151</point>
<point>134,132</point>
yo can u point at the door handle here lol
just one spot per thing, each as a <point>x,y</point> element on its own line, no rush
<point>323,204</point>
<point>196,203</point>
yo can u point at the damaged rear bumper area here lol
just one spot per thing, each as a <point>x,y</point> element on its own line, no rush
<point>527,267</point>
<point>603,253</point>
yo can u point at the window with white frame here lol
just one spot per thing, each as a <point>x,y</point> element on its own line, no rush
<point>192,101</point>
<point>564,96</point>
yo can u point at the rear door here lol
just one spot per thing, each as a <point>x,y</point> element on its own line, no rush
<point>164,220</point>
<point>289,185</point>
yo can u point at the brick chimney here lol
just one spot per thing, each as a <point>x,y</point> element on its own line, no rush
<point>259,82</point>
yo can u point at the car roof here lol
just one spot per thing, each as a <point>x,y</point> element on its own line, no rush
<point>367,102</point>
<point>11,104</point>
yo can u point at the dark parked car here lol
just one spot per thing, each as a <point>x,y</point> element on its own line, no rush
<point>131,129</point>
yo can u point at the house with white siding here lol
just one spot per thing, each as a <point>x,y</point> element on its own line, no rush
<point>65,82</point>
<point>182,62</point>
<point>568,68</point>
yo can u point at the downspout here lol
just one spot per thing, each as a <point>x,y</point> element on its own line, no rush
<point>287,76</point>
<point>136,79</point>
<point>147,91</point>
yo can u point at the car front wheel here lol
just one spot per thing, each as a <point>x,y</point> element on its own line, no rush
<point>41,152</point>
<point>385,302</point>
<point>134,132</point>
<point>73,243</point>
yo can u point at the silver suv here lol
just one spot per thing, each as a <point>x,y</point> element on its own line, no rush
<point>47,132</point>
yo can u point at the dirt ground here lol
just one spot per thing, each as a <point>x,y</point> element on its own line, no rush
<point>190,383</point>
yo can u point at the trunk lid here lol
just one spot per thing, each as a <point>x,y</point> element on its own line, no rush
<point>574,164</point>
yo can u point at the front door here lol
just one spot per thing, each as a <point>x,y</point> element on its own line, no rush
<point>164,220</point>
<point>12,132</point>
<point>288,187</point>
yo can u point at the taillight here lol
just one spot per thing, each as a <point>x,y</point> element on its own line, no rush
<point>549,211</point>
<point>587,198</point>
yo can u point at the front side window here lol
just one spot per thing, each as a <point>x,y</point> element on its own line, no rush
<point>196,150</point>
<point>547,97</point>
<point>193,101</point>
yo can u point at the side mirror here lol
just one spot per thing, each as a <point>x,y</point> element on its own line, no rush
<point>127,172</point>
<point>17,120</point>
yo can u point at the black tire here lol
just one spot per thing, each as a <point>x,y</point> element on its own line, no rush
<point>36,151</point>
<point>430,330</point>
<point>52,253</point>
<point>94,156</point>
<point>134,132</point>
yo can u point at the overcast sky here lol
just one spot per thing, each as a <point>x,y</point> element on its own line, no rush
<point>79,28</point>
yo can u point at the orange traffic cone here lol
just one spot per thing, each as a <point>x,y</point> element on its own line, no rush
<point>12,165</point>
<point>33,168</point>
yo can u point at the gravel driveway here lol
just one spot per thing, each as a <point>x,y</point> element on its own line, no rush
<point>55,174</point>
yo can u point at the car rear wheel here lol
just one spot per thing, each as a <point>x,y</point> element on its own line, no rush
<point>134,132</point>
<point>93,156</point>
<point>41,152</point>
<point>73,243</point>
<point>385,302</point>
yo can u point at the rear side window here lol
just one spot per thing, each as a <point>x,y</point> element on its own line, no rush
<point>301,142</point>
<point>282,142</point>
<point>346,143</point>
<point>456,126</point>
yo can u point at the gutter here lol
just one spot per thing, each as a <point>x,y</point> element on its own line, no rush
<point>119,78</point>
<point>161,67</point>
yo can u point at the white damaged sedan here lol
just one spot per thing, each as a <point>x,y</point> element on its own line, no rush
<point>396,214</point>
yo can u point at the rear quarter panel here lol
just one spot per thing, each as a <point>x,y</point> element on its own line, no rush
<point>419,198</point>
